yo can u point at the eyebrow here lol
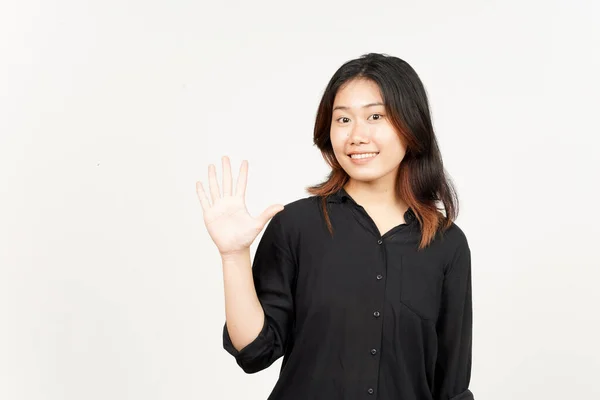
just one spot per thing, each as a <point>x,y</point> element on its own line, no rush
<point>365,106</point>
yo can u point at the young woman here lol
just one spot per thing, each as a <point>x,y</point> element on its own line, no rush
<point>364,287</point>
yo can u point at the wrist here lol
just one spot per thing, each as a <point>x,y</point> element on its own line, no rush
<point>235,255</point>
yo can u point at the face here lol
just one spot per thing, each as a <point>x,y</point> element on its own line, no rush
<point>360,124</point>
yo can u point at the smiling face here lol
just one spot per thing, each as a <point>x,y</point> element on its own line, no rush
<point>360,124</point>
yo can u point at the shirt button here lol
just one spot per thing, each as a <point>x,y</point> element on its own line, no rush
<point>379,241</point>
<point>370,391</point>
<point>379,277</point>
<point>376,314</point>
<point>373,351</point>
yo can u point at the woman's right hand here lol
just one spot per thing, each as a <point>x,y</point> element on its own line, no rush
<point>227,220</point>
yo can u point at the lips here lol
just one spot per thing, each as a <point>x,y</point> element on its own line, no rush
<point>363,160</point>
<point>369,155</point>
<point>362,152</point>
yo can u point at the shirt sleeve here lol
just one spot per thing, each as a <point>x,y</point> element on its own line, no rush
<point>454,330</point>
<point>273,271</point>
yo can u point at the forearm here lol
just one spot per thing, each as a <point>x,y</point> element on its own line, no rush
<point>244,313</point>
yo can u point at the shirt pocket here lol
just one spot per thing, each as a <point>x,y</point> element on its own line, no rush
<point>421,285</point>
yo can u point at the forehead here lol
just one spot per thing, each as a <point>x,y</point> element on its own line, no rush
<point>357,92</point>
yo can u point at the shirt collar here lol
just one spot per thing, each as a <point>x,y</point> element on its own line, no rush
<point>341,196</point>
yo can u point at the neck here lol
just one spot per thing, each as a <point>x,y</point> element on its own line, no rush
<point>374,194</point>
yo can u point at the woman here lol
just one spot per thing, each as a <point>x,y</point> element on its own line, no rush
<point>364,287</point>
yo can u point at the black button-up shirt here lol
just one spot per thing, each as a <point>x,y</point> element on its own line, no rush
<point>360,315</point>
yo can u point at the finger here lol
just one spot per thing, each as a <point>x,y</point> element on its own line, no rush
<point>240,189</point>
<point>202,196</point>
<point>226,176</point>
<point>214,185</point>
<point>269,213</point>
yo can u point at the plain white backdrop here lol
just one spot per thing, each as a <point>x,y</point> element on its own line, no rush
<point>110,111</point>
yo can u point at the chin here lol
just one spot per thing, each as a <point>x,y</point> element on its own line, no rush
<point>365,177</point>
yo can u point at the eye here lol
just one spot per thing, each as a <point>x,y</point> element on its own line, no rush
<point>346,119</point>
<point>379,116</point>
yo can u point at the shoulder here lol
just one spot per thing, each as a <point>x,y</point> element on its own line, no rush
<point>456,245</point>
<point>299,218</point>
<point>297,212</point>
<point>454,236</point>
<point>453,244</point>
<point>290,224</point>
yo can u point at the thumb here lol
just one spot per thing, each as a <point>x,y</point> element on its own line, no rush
<point>269,213</point>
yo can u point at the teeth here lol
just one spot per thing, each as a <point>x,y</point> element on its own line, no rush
<point>365,155</point>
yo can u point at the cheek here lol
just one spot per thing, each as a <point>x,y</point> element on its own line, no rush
<point>392,140</point>
<point>337,141</point>
<point>396,152</point>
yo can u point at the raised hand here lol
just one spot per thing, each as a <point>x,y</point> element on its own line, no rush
<point>227,220</point>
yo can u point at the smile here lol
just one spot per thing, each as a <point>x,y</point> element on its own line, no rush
<point>364,155</point>
<point>362,158</point>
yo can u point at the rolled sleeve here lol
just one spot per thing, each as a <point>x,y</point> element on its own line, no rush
<point>274,274</point>
<point>454,330</point>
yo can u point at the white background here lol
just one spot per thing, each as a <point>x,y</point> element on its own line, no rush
<point>110,111</point>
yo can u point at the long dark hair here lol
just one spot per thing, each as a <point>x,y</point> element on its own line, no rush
<point>421,182</point>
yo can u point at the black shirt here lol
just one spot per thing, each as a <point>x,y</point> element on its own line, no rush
<point>360,315</point>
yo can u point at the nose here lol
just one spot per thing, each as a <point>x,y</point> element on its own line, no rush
<point>360,133</point>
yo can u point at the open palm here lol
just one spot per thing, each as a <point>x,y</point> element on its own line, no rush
<point>227,220</point>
